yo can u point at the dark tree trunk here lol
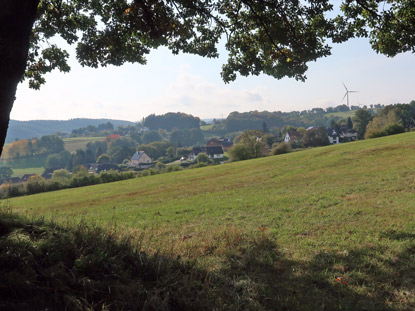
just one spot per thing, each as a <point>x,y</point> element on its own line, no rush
<point>16,22</point>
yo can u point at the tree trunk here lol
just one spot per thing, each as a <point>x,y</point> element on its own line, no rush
<point>16,22</point>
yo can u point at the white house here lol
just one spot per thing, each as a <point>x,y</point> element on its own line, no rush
<point>333,136</point>
<point>292,136</point>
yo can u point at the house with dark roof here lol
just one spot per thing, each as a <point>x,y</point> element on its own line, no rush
<point>333,136</point>
<point>214,152</point>
<point>47,173</point>
<point>138,159</point>
<point>348,135</point>
<point>26,177</point>
<point>223,142</point>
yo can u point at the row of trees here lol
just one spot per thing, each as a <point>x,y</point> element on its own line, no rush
<point>170,121</point>
<point>254,120</point>
<point>392,120</point>
<point>25,148</point>
<point>91,130</point>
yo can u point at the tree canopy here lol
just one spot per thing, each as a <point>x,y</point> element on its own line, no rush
<point>278,38</point>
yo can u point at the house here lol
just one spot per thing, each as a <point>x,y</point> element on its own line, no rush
<point>348,135</point>
<point>138,159</point>
<point>214,152</point>
<point>224,142</point>
<point>333,136</point>
<point>292,136</point>
<point>26,177</point>
<point>47,173</point>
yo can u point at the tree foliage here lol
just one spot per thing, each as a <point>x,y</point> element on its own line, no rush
<point>392,120</point>
<point>202,157</point>
<point>361,119</point>
<point>58,160</point>
<point>316,137</point>
<point>248,145</point>
<point>184,138</point>
<point>6,172</point>
<point>170,121</point>
<point>155,149</point>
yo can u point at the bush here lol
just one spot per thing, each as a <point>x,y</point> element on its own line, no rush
<point>109,176</point>
<point>240,152</point>
<point>203,158</point>
<point>160,166</point>
<point>281,148</point>
<point>62,176</point>
<point>11,190</point>
<point>35,184</point>
<point>83,178</point>
<point>394,128</point>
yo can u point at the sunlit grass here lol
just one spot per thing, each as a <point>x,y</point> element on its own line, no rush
<point>74,143</point>
<point>340,218</point>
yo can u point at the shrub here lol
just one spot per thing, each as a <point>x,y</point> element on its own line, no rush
<point>11,190</point>
<point>160,166</point>
<point>240,152</point>
<point>35,184</point>
<point>203,158</point>
<point>281,148</point>
<point>83,178</point>
<point>62,176</point>
<point>109,176</point>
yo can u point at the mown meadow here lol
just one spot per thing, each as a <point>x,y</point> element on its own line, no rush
<point>330,228</point>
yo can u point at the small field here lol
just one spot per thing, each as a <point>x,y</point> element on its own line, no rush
<point>329,228</point>
<point>19,172</point>
<point>342,114</point>
<point>25,163</point>
<point>74,143</point>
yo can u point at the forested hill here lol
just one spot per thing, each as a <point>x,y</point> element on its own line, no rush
<point>39,128</point>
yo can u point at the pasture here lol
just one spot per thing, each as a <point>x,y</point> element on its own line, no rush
<point>74,143</point>
<point>330,228</point>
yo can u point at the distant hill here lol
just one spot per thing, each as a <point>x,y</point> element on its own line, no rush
<point>39,128</point>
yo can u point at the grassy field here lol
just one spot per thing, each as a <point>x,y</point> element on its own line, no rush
<point>329,228</point>
<point>342,114</point>
<point>74,143</point>
<point>206,127</point>
<point>19,172</point>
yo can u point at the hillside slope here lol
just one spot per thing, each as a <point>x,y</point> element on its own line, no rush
<point>338,223</point>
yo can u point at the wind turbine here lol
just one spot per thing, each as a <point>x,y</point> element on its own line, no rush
<point>347,94</point>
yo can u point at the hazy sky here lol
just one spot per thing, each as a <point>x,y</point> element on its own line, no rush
<point>192,84</point>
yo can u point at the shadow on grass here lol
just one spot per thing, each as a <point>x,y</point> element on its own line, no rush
<point>46,266</point>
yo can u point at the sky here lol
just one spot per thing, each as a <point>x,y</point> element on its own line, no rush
<point>192,84</point>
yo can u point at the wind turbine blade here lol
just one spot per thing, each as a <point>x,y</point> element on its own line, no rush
<point>353,91</point>
<point>344,96</point>
<point>345,86</point>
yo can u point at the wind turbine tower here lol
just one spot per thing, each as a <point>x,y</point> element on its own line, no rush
<point>347,94</point>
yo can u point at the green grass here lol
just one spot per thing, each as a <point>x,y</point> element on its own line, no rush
<point>206,127</point>
<point>341,114</point>
<point>74,143</point>
<point>329,228</point>
<point>19,172</point>
<point>25,163</point>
